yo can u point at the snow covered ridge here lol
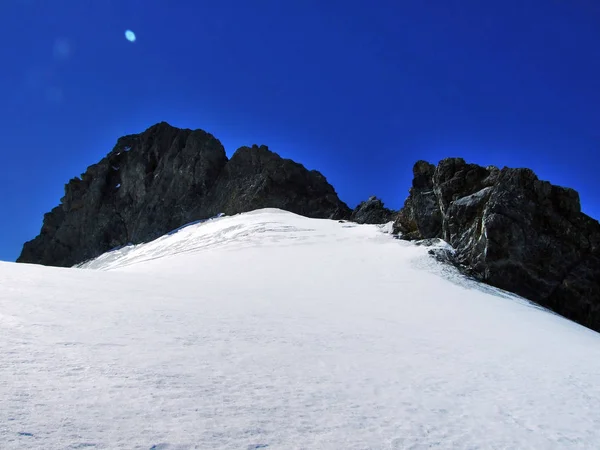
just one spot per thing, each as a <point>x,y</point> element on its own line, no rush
<point>270,330</point>
<point>124,253</point>
<point>265,227</point>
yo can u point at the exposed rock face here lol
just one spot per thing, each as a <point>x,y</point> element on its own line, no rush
<point>511,230</point>
<point>508,228</point>
<point>165,177</point>
<point>257,178</point>
<point>372,211</point>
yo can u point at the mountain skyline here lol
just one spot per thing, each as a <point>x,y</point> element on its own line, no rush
<point>358,92</point>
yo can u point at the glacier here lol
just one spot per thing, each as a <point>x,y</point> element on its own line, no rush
<point>271,330</point>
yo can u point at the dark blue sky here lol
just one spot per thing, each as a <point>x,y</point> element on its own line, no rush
<point>359,90</point>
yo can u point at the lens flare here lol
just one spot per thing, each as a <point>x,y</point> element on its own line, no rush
<point>130,36</point>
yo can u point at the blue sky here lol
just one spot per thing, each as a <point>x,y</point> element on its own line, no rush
<point>359,90</point>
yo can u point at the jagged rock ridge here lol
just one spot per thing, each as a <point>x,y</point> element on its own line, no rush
<point>372,211</point>
<point>165,177</point>
<point>508,228</point>
<point>511,230</point>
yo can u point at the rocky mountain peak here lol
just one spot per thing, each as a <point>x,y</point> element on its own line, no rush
<point>512,230</point>
<point>153,182</point>
<point>372,211</point>
<point>507,227</point>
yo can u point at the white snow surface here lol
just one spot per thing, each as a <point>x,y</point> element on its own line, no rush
<point>268,330</point>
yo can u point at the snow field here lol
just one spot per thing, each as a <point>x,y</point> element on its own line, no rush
<point>270,330</point>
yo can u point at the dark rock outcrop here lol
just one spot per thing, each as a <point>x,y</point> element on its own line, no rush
<point>257,178</point>
<point>165,177</point>
<point>372,211</point>
<point>511,230</point>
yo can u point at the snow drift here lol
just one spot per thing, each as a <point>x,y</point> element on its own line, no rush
<point>271,330</point>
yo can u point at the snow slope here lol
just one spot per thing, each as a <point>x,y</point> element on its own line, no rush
<point>270,330</point>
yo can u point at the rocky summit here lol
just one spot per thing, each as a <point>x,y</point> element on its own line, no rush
<point>506,227</point>
<point>163,178</point>
<point>511,230</point>
<point>372,211</point>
